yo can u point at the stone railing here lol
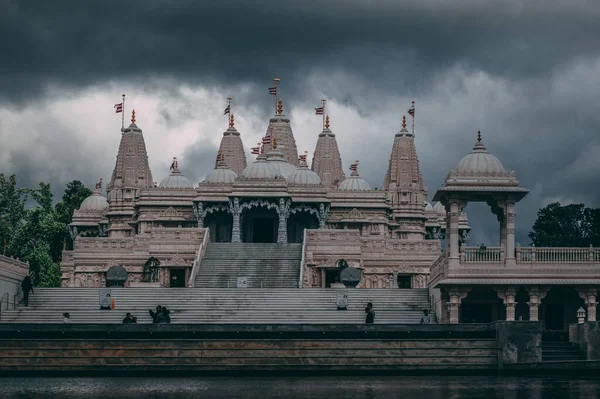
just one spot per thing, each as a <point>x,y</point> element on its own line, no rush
<point>531,254</point>
<point>553,255</point>
<point>481,255</point>
<point>439,268</point>
<point>199,258</point>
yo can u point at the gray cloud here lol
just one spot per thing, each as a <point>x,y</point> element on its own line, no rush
<point>524,72</point>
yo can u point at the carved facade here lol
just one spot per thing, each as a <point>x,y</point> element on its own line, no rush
<point>392,235</point>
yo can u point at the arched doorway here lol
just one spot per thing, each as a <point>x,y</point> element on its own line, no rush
<point>297,222</point>
<point>260,225</point>
<point>220,224</point>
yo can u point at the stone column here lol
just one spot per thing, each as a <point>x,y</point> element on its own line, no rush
<point>534,303</point>
<point>509,217</point>
<point>236,211</point>
<point>453,215</point>
<point>591,306</point>
<point>454,307</point>
<point>199,212</point>
<point>322,215</point>
<point>283,211</point>
<point>508,297</point>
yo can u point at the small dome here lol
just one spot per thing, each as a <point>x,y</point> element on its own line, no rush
<point>221,174</point>
<point>175,179</point>
<point>303,175</point>
<point>440,209</point>
<point>354,182</point>
<point>260,169</point>
<point>479,162</point>
<point>428,206</point>
<point>276,158</point>
<point>95,202</point>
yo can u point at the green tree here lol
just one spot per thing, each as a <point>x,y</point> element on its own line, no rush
<point>571,225</point>
<point>75,193</point>
<point>12,211</point>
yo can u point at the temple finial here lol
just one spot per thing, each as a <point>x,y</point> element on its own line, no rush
<point>231,121</point>
<point>174,164</point>
<point>274,143</point>
<point>279,106</point>
<point>479,136</point>
<point>327,122</point>
<point>99,184</point>
<point>403,121</point>
<point>133,117</point>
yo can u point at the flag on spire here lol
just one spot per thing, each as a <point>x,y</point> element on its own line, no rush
<point>354,167</point>
<point>255,150</point>
<point>118,108</point>
<point>266,140</point>
<point>411,110</point>
<point>319,111</point>
<point>302,158</point>
<point>227,110</point>
<point>273,90</point>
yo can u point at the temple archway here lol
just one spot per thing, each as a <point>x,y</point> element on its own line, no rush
<point>482,305</point>
<point>220,224</point>
<point>559,307</point>
<point>298,221</point>
<point>259,225</point>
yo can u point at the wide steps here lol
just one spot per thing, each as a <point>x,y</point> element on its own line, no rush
<point>560,351</point>
<point>246,306</point>
<point>262,265</point>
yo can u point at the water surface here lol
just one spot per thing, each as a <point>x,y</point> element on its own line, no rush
<point>303,387</point>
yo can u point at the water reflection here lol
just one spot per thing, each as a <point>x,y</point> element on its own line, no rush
<point>303,387</point>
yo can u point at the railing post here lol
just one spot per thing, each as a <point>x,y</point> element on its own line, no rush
<point>532,253</point>
<point>502,255</point>
<point>518,252</point>
<point>591,254</point>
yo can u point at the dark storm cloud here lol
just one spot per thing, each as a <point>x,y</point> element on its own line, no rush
<point>74,43</point>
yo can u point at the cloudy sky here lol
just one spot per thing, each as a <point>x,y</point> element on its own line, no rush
<point>527,73</point>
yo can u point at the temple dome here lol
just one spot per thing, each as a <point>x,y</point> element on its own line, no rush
<point>479,162</point>
<point>176,180</point>
<point>221,174</point>
<point>95,202</point>
<point>428,206</point>
<point>276,158</point>
<point>354,182</point>
<point>260,169</point>
<point>440,209</point>
<point>303,175</point>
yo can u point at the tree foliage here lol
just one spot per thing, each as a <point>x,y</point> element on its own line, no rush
<point>37,234</point>
<point>571,225</point>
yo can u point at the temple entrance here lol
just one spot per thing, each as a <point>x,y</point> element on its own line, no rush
<point>260,225</point>
<point>331,277</point>
<point>404,281</point>
<point>220,224</point>
<point>299,221</point>
<point>177,278</point>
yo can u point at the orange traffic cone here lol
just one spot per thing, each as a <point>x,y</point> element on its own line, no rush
<point>112,304</point>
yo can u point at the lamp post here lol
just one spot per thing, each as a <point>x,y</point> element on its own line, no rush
<point>580,315</point>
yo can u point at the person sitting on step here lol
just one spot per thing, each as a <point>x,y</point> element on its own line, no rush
<point>155,315</point>
<point>426,319</point>
<point>129,319</point>
<point>66,318</point>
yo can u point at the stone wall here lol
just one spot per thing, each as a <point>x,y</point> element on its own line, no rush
<point>12,272</point>
<point>519,342</point>
<point>87,264</point>
<point>587,337</point>
<point>290,348</point>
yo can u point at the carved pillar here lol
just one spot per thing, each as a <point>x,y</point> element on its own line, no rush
<point>455,299</point>
<point>589,296</point>
<point>509,218</point>
<point>199,213</point>
<point>508,297</point>
<point>536,294</point>
<point>454,215</point>
<point>283,211</point>
<point>322,215</point>
<point>236,211</point>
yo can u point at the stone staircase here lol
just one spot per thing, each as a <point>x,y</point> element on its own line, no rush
<point>263,265</point>
<point>553,351</point>
<point>222,305</point>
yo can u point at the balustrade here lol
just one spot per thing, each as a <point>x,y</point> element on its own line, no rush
<point>531,255</point>
<point>481,255</point>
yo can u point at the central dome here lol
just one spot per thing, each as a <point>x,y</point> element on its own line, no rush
<point>479,162</point>
<point>303,175</point>
<point>221,174</point>
<point>277,159</point>
<point>175,179</point>
<point>354,182</point>
<point>260,169</point>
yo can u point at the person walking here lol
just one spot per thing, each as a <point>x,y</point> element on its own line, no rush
<point>370,314</point>
<point>26,286</point>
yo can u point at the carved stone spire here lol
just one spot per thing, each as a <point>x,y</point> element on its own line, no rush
<point>232,149</point>
<point>131,174</point>
<point>404,183</point>
<point>327,162</point>
<point>280,128</point>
